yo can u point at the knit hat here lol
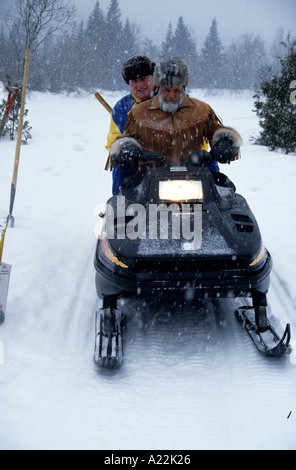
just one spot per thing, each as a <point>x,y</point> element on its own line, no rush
<point>170,71</point>
<point>137,67</point>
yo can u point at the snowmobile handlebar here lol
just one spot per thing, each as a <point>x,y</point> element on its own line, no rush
<point>151,155</point>
<point>193,159</point>
<point>197,157</point>
<point>222,152</point>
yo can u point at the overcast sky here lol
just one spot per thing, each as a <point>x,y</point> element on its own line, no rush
<point>234,17</point>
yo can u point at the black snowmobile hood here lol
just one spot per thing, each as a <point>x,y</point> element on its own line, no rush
<point>220,225</point>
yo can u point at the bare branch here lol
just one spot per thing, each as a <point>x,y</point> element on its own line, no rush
<point>37,20</point>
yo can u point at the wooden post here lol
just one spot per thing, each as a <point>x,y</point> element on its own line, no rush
<point>103,102</point>
<point>19,139</point>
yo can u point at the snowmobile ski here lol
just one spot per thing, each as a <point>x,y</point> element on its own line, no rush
<point>108,344</point>
<point>268,342</point>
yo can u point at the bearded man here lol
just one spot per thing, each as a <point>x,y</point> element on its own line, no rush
<point>174,124</point>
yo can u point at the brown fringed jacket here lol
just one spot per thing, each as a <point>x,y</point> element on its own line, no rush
<point>175,135</point>
<point>172,135</point>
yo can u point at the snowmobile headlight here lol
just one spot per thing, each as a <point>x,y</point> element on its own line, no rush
<point>180,190</point>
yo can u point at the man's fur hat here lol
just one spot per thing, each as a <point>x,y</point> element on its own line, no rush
<point>137,67</point>
<point>171,71</point>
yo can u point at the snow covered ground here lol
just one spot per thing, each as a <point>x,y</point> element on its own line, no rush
<point>190,379</point>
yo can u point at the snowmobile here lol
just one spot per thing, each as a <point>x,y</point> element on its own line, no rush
<point>181,228</point>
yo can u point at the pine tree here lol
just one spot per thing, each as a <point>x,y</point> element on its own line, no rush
<point>273,106</point>
<point>95,47</point>
<point>246,62</point>
<point>4,48</point>
<point>167,46</point>
<point>181,44</point>
<point>130,40</point>
<point>184,46</point>
<point>212,60</point>
<point>80,72</point>
<point>113,43</point>
<point>149,49</point>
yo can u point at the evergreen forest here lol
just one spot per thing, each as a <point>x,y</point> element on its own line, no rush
<point>89,54</point>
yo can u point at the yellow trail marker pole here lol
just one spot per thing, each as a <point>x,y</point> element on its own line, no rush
<point>19,140</point>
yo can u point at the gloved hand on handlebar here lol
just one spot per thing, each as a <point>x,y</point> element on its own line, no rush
<point>223,150</point>
<point>196,157</point>
<point>151,155</point>
<point>127,152</point>
<point>225,144</point>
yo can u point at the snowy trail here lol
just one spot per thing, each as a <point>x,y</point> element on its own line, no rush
<point>191,378</point>
<point>280,300</point>
<point>185,378</point>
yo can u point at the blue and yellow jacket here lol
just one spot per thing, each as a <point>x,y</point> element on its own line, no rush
<point>119,117</point>
<point>117,123</point>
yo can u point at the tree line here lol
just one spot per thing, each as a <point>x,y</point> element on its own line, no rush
<point>88,55</point>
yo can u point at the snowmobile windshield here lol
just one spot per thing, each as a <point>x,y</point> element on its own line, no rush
<point>180,190</point>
